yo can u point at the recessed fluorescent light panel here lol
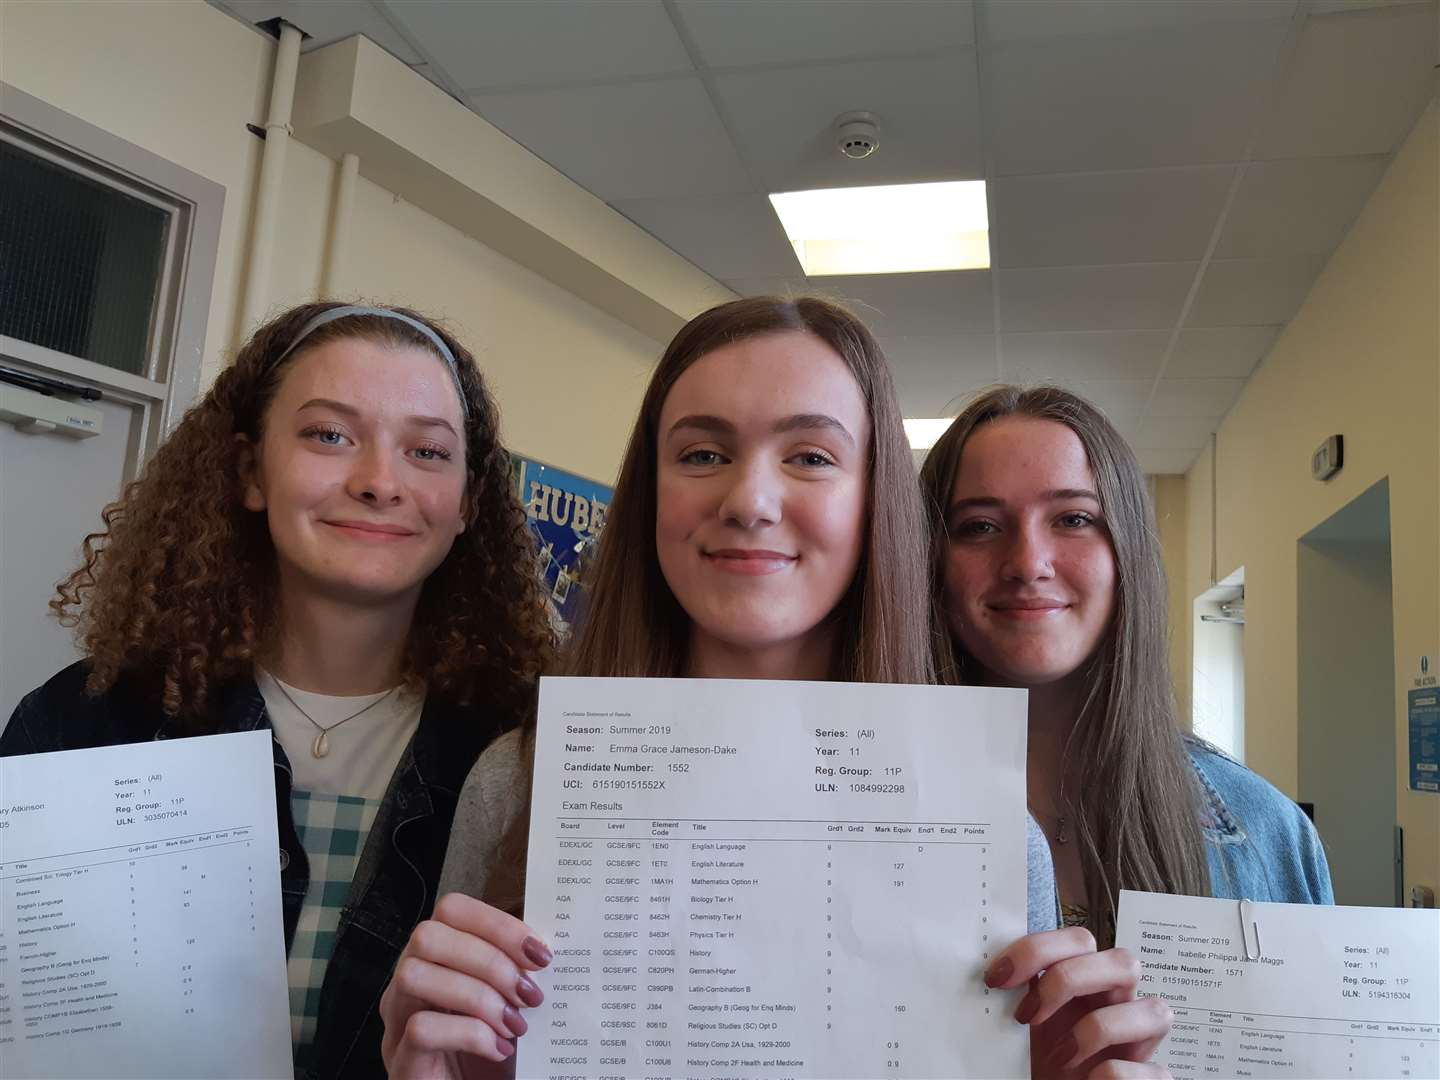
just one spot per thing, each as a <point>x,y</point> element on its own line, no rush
<point>925,433</point>
<point>894,229</point>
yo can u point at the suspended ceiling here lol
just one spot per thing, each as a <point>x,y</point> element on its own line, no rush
<point>1167,178</point>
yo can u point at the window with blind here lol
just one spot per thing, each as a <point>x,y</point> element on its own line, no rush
<point>82,261</point>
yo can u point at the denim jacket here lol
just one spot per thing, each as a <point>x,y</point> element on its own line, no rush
<point>1261,846</point>
<point>394,885</point>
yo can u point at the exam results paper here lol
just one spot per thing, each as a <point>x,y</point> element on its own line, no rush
<point>140,925</point>
<point>746,878</point>
<point>1289,990</point>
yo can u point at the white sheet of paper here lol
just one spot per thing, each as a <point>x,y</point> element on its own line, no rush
<point>140,924</point>
<point>775,879</point>
<point>1335,992</point>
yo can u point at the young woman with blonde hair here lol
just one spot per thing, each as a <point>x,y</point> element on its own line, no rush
<point>1047,571</point>
<point>766,525</point>
<point>327,545</point>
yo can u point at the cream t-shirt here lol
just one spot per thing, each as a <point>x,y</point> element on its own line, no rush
<point>362,753</point>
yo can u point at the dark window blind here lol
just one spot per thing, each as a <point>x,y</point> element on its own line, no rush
<point>80,262</point>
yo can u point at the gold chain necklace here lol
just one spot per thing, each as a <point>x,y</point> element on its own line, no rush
<point>321,746</point>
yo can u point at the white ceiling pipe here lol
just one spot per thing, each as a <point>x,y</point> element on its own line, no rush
<point>272,174</point>
<point>340,225</point>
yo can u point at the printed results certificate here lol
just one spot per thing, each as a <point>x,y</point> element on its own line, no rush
<point>775,879</point>
<point>140,923</point>
<point>1293,990</point>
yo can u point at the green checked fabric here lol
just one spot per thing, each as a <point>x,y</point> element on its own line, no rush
<point>332,830</point>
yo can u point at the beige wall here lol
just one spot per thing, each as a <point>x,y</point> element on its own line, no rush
<point>1361,358</point>
<point>181,80</point>
<point>177,79</point>
<point>1171,518</point>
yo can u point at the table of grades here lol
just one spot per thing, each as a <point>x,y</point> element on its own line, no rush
<point>1289,990</point>
<point>768,879</point>
<point>140,923</point>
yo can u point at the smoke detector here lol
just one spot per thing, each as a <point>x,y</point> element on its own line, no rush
<point>857,134</point>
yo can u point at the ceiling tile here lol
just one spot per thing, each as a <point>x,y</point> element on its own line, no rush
<point>521,43</point>
<point>934,376</point>
<point>893,306</point>
<point>1175,432</point>
<point>626,141</point>
<point>745,32</point>
<point>1095,354</point>
<point>1128,101</point>
<point>1254,292</point>
<point>1357,83</point>
<point>798,285</point>
<point>1299,207</point>
<point>1081,18</point>
<point>1167,462</point>
<point>1220,352</point>
<point>1155,215</point>
<point>1126,424</point>
<point>725,235</point>
<point>1195,397</point>
<point>916,305</point>
<point>1145,296</point>
<point>1116,398</point>
<point>783,121</point>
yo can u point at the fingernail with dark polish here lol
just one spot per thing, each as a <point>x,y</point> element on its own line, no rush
<point>1028,1008</point>
<point>999,971</point>
<point>528,992</point>
<point>514,1021</point>
<point>1063,1053</point>
<point>506,1048</point>
<point>536,951</point>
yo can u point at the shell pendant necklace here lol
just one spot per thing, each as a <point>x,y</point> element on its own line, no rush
<point>321,745</point>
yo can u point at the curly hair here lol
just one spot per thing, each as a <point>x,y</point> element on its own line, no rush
<point>179,586</point>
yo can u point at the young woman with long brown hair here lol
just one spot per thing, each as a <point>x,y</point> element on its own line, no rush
<point>766,524</point>
<point>1047,568</point>
<point>328,545</point>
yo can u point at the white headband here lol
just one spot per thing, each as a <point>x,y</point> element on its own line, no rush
<point>331,314</point>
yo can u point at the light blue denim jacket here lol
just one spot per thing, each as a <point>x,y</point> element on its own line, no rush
<point>1261,846</point>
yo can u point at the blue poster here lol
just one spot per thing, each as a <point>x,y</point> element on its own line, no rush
<point>565,513</point>
<point>1425,739</point>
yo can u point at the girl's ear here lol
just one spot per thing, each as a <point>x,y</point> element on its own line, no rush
<point>248,464</point>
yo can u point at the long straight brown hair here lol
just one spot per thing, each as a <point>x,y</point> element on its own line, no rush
<point>632,625</point>
<point>1137,812</point>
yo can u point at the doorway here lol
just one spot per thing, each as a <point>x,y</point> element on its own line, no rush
<point>1347,696</point>
<point>1217,689</point>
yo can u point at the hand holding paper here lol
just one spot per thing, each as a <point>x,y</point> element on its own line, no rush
<point>1290,990</point>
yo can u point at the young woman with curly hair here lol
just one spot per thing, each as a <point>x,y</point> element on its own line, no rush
<point>766,524</point>
<point>329,545</point>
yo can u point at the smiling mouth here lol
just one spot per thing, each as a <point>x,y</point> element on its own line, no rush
<point>370,530</point>
<point>1029,610</point>
<point>748,562</point>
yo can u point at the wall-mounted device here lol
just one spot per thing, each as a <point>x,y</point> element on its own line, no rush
<point>1328,458</point>
<point>35,413</point>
